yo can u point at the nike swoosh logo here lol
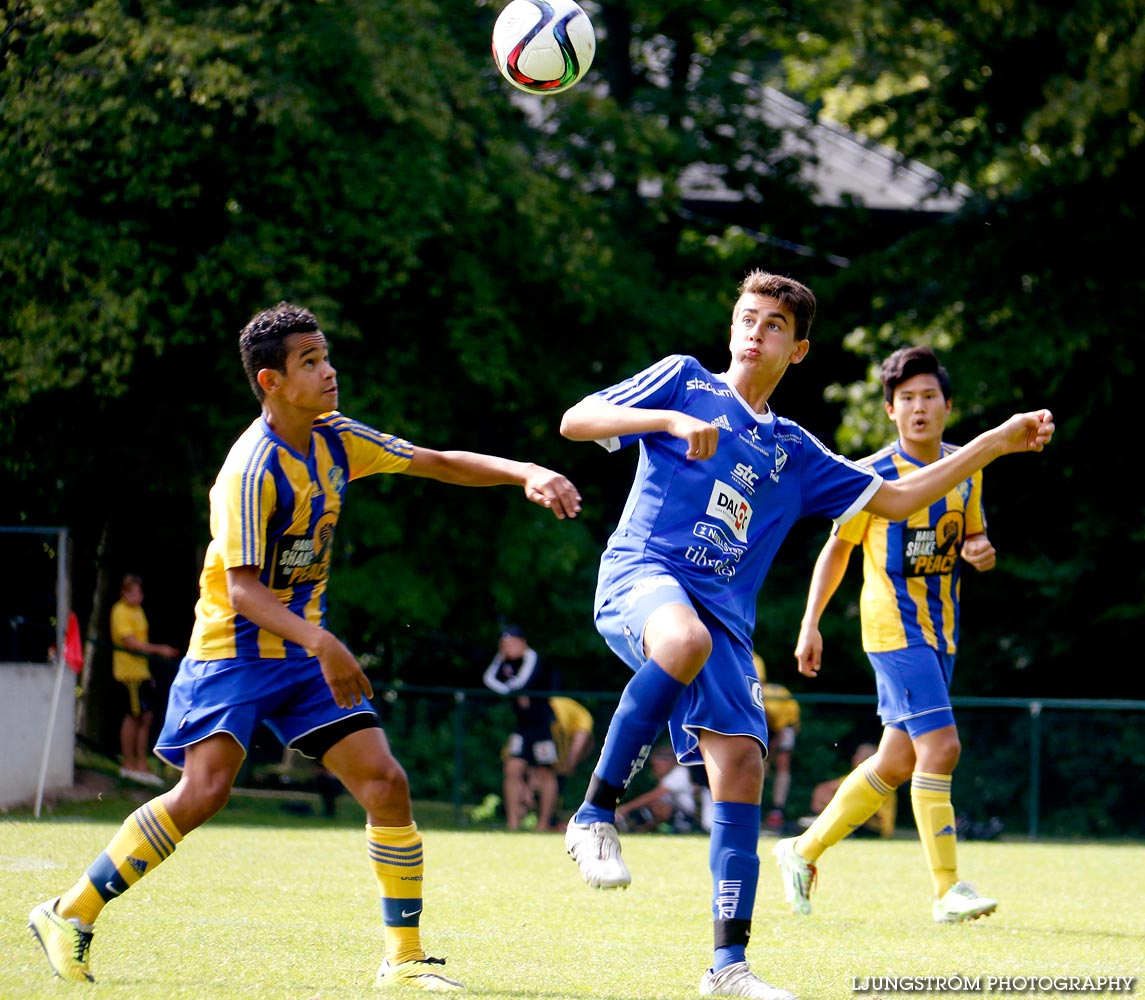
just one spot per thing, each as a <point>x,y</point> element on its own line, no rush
<point>111,888</point>
<point>411,913</point>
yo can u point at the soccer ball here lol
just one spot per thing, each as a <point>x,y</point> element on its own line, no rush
<point>543,46</point>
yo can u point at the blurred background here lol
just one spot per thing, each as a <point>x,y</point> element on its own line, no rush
<point>963,175</point>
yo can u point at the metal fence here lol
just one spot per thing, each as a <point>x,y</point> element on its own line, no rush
<point>1038,767</point>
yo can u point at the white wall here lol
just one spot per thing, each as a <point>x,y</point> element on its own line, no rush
<point>25,702</point>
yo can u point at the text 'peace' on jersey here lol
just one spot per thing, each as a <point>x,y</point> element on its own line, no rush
<point>911,569</point>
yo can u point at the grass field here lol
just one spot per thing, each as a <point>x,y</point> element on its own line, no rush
<point>258,905</point>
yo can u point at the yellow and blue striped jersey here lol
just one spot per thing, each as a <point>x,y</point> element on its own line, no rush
<point>276,509</point>
<point>911,568</point>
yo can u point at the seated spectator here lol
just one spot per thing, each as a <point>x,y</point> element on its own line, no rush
<point>881,824</point>
<point>782,712</point>
<point>672,802</point>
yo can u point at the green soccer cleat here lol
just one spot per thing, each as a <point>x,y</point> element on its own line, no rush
<point>799,876</point>
<point>960,903</point>
<point>419,974</point>
<point>65,942</point>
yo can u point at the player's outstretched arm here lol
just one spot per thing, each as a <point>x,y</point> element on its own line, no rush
<point>595,419</point>
<point>898,499</point>
<point>469,468</point>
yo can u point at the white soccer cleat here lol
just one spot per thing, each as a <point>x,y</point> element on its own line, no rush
<point>799,876</point>
<point>737,980</point>
<point>960,903</point>
<point>595,848</point>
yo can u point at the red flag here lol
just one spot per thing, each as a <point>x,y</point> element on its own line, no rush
<point>73,645</point>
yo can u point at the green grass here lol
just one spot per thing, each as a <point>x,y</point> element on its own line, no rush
<point>257,905</point>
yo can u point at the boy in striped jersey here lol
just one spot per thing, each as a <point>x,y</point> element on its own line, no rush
<point>909,611</point>
<point>720,481</point>
<point>260,652</point>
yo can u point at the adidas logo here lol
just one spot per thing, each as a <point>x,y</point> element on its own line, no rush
<point>722,422</point>
<point>137,865</point>
<point>947,831</point>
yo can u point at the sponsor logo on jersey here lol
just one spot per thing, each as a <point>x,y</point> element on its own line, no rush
<point>756,689</point>
<point>932,551</point>
<point>337,479</point>
<point>745,476</point>
<point>300,559</point>
<point>780,462</point>
<point>700,385</point>
<point>750,437</point>
<point>706,558</point>
<point>730,506</point>
<point>715,534</point>
<point>722,422</point>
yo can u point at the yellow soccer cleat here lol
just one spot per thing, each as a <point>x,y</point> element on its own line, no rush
<point>419,973</point>
<point>64,942</point>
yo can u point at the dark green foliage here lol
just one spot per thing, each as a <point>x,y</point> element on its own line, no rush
<point>166,169</point>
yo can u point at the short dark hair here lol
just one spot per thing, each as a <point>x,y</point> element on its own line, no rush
<point>907,362</point>
<point>791,294</point>
<point>262,343</point>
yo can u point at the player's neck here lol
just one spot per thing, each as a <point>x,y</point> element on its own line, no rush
<point>292,426</point>
<point>753,387</point>
<point>925,452</point>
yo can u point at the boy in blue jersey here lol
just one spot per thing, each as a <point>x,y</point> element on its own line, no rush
<point>909,613</point>
<point>260,651</point>
<point>720,481</point>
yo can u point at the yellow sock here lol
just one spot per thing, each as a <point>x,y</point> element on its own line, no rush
<point>858,798</point>
<point>396,858</point>
<point>146,838</point>
<point>934,817</point>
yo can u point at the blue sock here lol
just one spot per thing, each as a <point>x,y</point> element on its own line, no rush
<point>733,857</point>
<point>645,706</point>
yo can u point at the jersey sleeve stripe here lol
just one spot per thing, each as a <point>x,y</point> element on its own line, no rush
<point>389,442</point>
<point>252,497</point>
<point>638,388</point>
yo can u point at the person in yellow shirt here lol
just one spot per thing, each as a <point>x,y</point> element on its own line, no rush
<point>782,711</point>
<point>130,667</point>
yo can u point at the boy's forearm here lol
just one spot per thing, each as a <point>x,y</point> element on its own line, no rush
<point>593,419</point>
<point>898,499</point>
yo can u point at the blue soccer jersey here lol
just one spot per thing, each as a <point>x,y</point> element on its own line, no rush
<point>276,509</point>
<point>911,569</point>
<point>717,524</point>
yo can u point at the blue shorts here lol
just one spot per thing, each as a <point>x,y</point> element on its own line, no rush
<point>914,688</point>
<point>725,696</point>
<point>235,696</point>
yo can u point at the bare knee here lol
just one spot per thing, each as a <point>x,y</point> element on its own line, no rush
<point>679,642</point>
<point>939,752</point>
<point>382,790</point>
<point>195,799</point>
<point>734,765</point>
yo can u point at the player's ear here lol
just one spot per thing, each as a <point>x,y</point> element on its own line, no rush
<point>269,379</point>
<point>799,351</point>
<point>890,408</point>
